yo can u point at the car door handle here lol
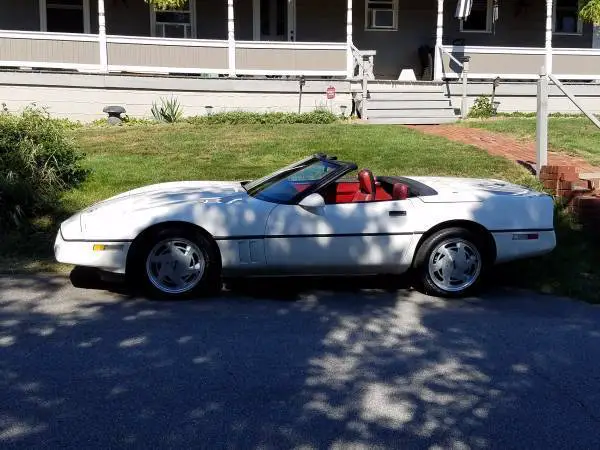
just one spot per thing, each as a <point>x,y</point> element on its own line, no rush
<point>397,213</point>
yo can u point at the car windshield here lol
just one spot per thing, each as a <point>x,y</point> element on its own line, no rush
<point>286,184</point>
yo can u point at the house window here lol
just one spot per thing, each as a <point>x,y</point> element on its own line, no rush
<point>381,15</point>
<point>65,16</point>
<point>175,23</point>
<point>566,17</point>
<point>480,19</point>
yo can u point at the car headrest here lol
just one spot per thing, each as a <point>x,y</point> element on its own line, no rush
<point>366,181</point>
<point>400,191</point>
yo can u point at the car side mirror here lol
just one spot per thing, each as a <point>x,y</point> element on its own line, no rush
<point>312,201</point>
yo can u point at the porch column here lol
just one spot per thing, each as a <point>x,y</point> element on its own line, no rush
<point>549,14</point>
<point>102,37</point>
<point>596,38</point>
<point>231,37</point>
<point>439,34</point>
<point>350,61</point>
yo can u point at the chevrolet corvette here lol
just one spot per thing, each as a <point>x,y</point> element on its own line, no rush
<point>182,239</point>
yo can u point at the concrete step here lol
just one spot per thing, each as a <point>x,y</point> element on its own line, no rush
<point>407,88</point>
<point>407,113</point>
<point>411,120</point>
<point>410,104</point>
<point>407,96</point>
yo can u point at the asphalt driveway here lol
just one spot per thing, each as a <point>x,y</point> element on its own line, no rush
<point>306,368</point>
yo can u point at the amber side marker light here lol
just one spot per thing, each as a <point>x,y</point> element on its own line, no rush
<point>104,247</point>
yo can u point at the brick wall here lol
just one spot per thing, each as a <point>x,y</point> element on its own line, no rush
<point>581,196</point>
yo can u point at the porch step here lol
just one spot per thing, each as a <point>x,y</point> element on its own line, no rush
<point>438,103</point>
<point>411,120</point>
<point>388,96</point>
<point>410,104</point>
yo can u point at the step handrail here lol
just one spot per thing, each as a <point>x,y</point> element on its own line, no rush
<point>364,61</point>
<point>464,76</point>
<point>571,97</point>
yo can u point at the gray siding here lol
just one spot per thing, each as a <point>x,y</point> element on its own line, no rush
<point>211,19</point>
<point>397,50</point>
<point>23,15</point>
<point>515,28</point>
<point>318,20</point>
<point>131,18</point>
<point>244,20</point>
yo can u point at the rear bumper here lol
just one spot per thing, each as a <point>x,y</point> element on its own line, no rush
<point>513,245</point>
<point>112,258</point>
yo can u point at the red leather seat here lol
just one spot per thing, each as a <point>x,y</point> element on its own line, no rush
<point>400,191</point>
<point>366,191</point>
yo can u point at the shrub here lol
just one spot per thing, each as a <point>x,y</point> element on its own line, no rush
<point>169,111</point>
<point>482,108</point>
<point>318,116</point>
<point>37,163</point>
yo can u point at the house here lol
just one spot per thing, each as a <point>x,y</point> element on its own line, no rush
<point>229,53</point>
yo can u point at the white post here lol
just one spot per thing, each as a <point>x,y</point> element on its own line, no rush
<point>439,34</point>
<point>549,15</point>
<point>350,60</point>
<point>464,109</point>
<point>596,38</point>
<point>231,37</point>
<point>542,122</point>
<point>102,37</point>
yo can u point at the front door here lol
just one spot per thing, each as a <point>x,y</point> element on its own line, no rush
<point>274,20</point>
<point>345,238</point>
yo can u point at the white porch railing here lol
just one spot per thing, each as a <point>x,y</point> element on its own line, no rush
<point>162,55</point>
<point>49,50</point>
<point>521,63</point>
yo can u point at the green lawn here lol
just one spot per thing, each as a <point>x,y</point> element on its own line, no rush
<point>576,136</point>
<point>128,157</point>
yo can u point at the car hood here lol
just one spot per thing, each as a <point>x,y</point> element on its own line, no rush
<point>166,194</point>
<point>471,189</point>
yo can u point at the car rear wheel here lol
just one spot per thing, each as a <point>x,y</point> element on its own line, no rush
<point>176,263</point>
<point>451,263</point>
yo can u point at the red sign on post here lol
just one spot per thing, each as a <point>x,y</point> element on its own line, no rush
<point>330,93</point>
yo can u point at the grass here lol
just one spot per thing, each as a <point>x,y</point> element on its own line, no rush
<point>124,158</point>
<point>576,136</point>
<point>128,157</point>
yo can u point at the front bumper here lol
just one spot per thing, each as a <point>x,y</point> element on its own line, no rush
<point>111,257</point>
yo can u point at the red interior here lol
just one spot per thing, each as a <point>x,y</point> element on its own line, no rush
<point>357,191</point>
<point>345,192</point>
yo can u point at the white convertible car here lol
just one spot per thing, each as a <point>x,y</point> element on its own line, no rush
<point>182,238</point>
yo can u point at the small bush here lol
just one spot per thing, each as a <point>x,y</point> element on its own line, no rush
<point>169,111</point>
<point>318,116</point>
<point>37,163</point>
<point>482,108</point>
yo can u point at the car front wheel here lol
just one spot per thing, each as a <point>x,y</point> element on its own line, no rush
<point>451,263</point>
<point>176,263</point>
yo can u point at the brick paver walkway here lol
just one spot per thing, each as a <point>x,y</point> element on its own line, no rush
<point>501,145</point>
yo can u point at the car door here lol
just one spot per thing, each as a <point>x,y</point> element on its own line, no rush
<point>340,238</point>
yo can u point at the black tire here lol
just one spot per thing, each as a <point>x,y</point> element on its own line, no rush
<point>208,285</point>
<point>421,271</point>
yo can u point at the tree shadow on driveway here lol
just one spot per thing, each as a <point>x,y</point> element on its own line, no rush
<point>335,368</point>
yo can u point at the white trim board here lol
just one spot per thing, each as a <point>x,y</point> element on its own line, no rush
<point>51,65</point>
<point>167,41</point>
<point>519,76</point>
<point>48,36</point>
<point>521,50</point>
